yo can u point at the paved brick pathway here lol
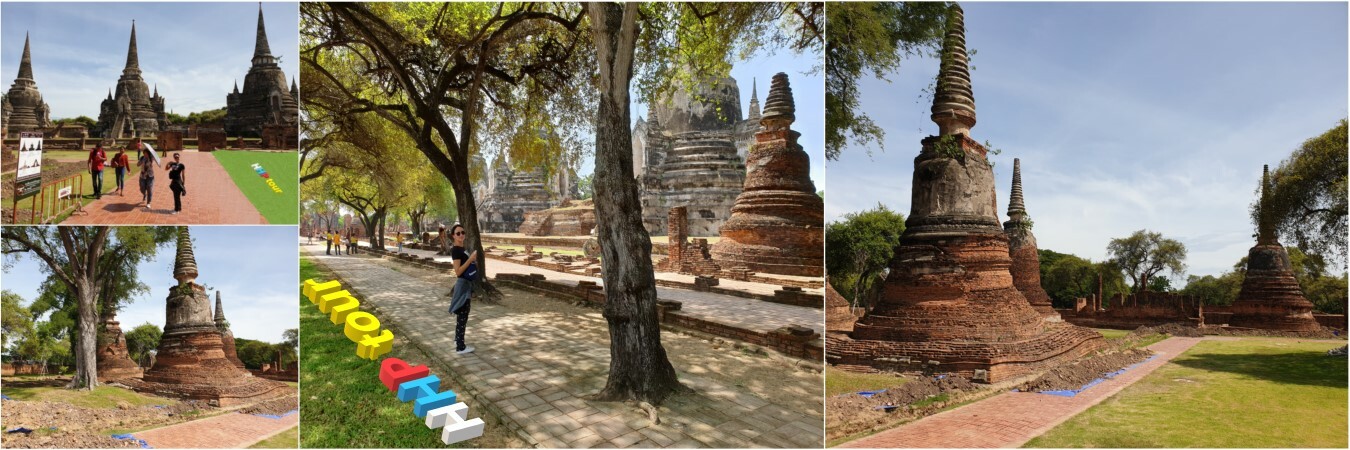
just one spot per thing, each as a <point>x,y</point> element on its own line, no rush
<point>1013,418</point>
<point>741,312</point>
<point>536,372</point>
<point>212,199</point>
<point>230,430</point>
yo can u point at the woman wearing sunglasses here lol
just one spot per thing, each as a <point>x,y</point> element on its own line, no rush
<point>466,270</point>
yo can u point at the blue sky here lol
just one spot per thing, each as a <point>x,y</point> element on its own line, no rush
<point>1126,116</point>
<point>194,52</point>
<point>254,268</point>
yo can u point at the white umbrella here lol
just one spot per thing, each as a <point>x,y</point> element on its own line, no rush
<point>152,152</point>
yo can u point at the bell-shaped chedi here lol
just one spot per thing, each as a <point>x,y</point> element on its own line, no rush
<point>1270,297</point>
<point>226,336</point>
<point>23,105</point>
<point>113,360</point>
<point>777,223</point>
<point>191,361</point>
<point>1026,262</point>
<point>949,304</point>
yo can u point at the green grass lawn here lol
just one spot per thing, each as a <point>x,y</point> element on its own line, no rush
<point>342,402</point>
<point>100,397</point>
<point>1254,392</point>
<point>283,167</point>
<point>1111,334</point>
<point>840,382</point>
<point>285,439</point>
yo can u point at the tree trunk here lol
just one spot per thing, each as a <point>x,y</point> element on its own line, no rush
<point>377,241</point>
<point>86,348</point>
<point>638,366</point>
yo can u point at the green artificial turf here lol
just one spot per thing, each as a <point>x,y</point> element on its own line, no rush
<point>1253,392</point>
<point>282,167</point>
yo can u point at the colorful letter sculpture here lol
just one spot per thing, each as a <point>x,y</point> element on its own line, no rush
<point>360,327</point>
<point>440,409</point>
<point>258,168</point>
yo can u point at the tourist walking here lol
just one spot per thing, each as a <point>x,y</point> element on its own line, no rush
<point>328,238</point>
<point>120,164</point>
<point>96,159</point>
<point>177,181</point>
<point>466,271</point>
<point>146,163</point>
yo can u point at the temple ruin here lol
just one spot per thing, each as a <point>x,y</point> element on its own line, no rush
<point>690,151</point>
<point>508,194</point>
<point>949,304</point>
<point>226,336</point>
<point>265,99</point>
<point>1026,261</point>
<point>777,223</point>
<point>23,108</point>
<point>1270,297</point>
<point>113,360</point>
<point>571,218</point>
<point>191,361</point>
<point>131,110</point>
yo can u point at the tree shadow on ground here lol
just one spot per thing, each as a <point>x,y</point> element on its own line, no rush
<point>1303,367</point>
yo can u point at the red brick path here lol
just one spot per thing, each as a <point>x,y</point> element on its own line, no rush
<point>230,430</point>
<point>1011,419</point>
<point>212,199</point>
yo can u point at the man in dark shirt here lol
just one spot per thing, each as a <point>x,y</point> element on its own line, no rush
<point>177,181</point>
<point>96,159</point>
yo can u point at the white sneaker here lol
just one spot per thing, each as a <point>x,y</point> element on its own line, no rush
<point>467,350</point>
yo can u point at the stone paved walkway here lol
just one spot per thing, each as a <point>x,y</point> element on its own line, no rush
<point>230,430</point>
<point>1013,418</point>
<point>212,199</point>
<point>741,312</point>
<point>537,372</point>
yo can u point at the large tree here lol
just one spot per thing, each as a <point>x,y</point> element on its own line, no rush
<point>82,259</point>
<point>680,44</point>
<point>858,250</point>
<point>16,319</point>
<point>1145,254</point>
<point>1307,204</point>
<point>871,37</point>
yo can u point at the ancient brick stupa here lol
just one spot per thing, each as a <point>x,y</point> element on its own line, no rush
<point>265,99</point>
<point>23,107</point>
<point>113,360</point>
<point>226,336</point>
<point>131,110</point>
<point>777,223</point>
<point>191,361</point>
<point>949,304</point>
<point>1026,262</point>
<point>1270,297</point>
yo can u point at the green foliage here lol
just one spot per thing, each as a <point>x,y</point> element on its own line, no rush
<point>15,319</point>
<point>859,249</point>
<point>141,340</point>
<point>867,37</point>
<point>1212,290</point>
<point>1327,292</point>
<point>87,122</point>
<point>1307,204</point>
<point>1066,277</point>
<point>212,116</point>
<point>584,189</point>
<point>1145,254</point>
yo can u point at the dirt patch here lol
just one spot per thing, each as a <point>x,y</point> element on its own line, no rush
<point>851,414</point>
<point>1078,373</point>
<point>275,407</point>
<point>1324,333</point>
<point>1174,329</point>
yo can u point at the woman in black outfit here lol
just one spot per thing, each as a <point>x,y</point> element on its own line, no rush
<point>177,181</point>
<point>466,270</point>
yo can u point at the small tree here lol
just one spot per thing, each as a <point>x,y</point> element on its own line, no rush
<point>1145,254</point>
<point>142,340</point>
<point>858,250</point>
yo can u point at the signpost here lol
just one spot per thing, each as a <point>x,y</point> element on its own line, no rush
<point>28,180</point>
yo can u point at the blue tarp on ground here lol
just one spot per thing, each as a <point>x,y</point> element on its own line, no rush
<point>129,437</point>
<point>274,416</point>
<point>19,430</point>
<point>1071,393</point>
<point>6,397</point>
<point>869,394</point>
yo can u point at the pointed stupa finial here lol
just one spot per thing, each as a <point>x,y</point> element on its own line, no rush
<point>1016,209</point>
<point>26,63</point>
<point>754,99</point>
<point>220,313</point>
<point>236,86</point>
<point>156,90</point>
<point>779,108</point>
<point>1265,230</point>
<point>260,48</point>
<point>294,89</point>
<point>109,93</point>
<point>954,101</point>
<point>133,60</point>
<point>184,263</point>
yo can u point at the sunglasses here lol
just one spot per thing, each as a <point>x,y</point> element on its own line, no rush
<point>461,233</point>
